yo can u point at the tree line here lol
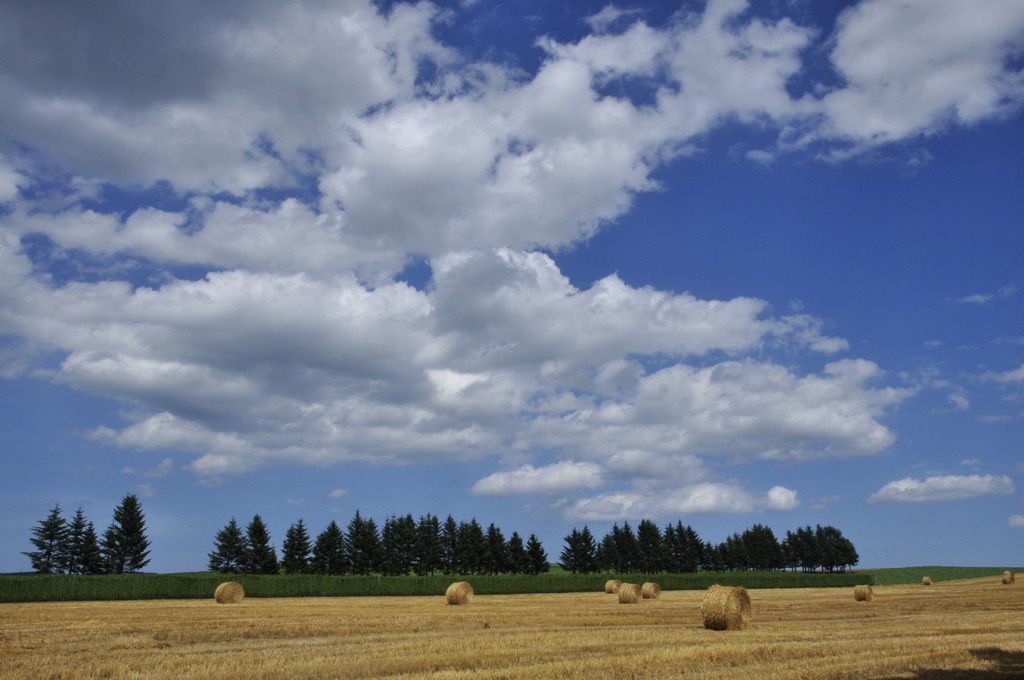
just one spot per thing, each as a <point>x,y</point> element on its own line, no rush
<point>401,546</point>
<point>678,549</point>
<point>73,546</point>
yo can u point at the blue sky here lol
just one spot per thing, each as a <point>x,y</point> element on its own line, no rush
<point>543,264</point>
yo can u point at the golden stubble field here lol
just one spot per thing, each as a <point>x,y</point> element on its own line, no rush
<point>956,630</point>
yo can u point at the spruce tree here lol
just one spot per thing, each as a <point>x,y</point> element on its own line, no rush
<point>83,546</point>
<point>398,545</point>
<point>537,558</point>
<point>125,547</point>
<point>518,560</point>
<point>296,549</point>
<point>472,547</point>
<point>495,556</point>
<point>651,550</point>
<point>329,554</point>
<point>363,544</point>
<point>449,546</point>
<point>260,556</point>
<point>50,537</point>
<point>228,556</point>
<point>429,551</point>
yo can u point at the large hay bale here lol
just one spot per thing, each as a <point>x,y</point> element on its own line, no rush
<point>1008,578</point>
<point>650,591</point>
<point>863,593</point>
<point>612,586</point>
<point>926,581</point>
<point>459,593</point>
<point>629,593</point>
<point>229,592</point>
<point>725,608</point>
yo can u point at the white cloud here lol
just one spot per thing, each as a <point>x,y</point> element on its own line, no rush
<point>337,493</point>
<point>912,67</point>
<point>704,498</point>
<point>943,488</point>
<point>556,478</point>
<point>1011,376</point>
<point>1017,520</point>
<point>781,498</point>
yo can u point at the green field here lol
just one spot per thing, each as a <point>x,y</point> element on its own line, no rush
<point>58,587</point>
<point>893,577</point>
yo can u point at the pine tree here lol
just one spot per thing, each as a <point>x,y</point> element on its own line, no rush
<point>296,549</point>
<point>228,554</point>
<point>429,552</point>
<point>329,553</point>
<point>125,547</point>
<point>260,556</point>
<point>363,544</point>
<point>50,538</point>
<point>538,559</point>
<point>626,547</point>
<point>83,546</point>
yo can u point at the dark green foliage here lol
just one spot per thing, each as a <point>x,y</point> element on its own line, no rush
<point>329,554</point>
<point>471,547</point>
<point>495,554</point>
<point>295,552</point>
<point>651,549</point>
<point>83,554</point>
<point>518,559</point>
<point>398,546</point>
<point>537,559</point>
<point>228,554</point>
<point>580,553</point>
<point>50,538</point>
<point>260,556</point>
<point>60,587</point>
<point>363,544</point>
<point>124,547</point>
<point>429,551</point>
<point>449,546</point>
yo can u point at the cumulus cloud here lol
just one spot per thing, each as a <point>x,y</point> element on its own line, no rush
<point>556,478</point>
<point>943,488</point>
<point>297,191</point>
<point>708,497</point>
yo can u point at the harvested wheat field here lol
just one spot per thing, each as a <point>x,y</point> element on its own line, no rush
<point>957,629</point>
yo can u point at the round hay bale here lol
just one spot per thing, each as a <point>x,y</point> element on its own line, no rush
<point>725,608</point>
<point>612,586</point>
<point>863,593</point>
<point>229,592</point>
<point>629,593</point>
<point>926,581</point>
<point>1008,577</point>
<point>459,593</point>
<point>650,591</point>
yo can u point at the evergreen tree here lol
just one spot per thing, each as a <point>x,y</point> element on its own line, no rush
<point>518,560</point>
<point>580,553</point>
<point>260,556</point>
<point>762,549</point>
<point>429,551</point>
<point>626,548</point>
<point>607,553</point>
<point>651,550</point>
<point>83,546</point>
<point>472,547</point>
<point>329,553</point>
<point>50,537</point>
<point>296,549</point>
<point>537,558</point>
<point>228,554</point>
<point>449,546</point>
<point>495,556</point>
<point>125,547</point>
<point>362,541</point>
<point>570,557</point>
<point>398,545</point>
